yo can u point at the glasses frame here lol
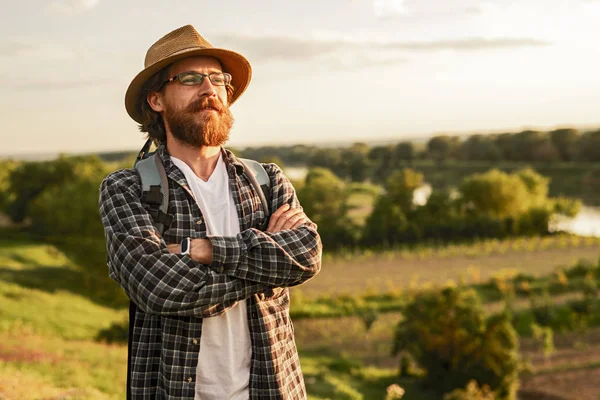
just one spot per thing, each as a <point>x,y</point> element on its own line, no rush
<point>209,76</point>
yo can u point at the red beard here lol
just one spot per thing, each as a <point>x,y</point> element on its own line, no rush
<point>197,129</point>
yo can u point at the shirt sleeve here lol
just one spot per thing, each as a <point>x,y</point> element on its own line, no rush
<point>156,280</point>
<point>281,259</point>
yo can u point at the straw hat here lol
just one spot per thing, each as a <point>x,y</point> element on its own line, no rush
<point>174,46</point>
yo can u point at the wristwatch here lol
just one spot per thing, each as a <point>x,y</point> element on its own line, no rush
<point>186,246</point>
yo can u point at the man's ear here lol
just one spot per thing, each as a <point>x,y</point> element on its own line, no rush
<point>155,101</point>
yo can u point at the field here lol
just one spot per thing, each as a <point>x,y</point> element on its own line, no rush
<point>49,347</point>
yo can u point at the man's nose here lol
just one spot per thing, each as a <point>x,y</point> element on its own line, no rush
<point>207,88</point>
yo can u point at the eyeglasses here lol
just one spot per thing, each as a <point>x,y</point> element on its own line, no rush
<point>193,78</point>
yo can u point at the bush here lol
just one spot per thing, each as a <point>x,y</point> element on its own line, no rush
<point>70,208</point>
<point>6,195</point>
<point>446,333</point>
<point>324,198</point>
<point>117,332</point>
<point>471,392</point>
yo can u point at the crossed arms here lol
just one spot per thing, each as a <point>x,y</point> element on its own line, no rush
<point>224,269</point>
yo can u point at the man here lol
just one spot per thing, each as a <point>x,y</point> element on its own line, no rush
<point>212,323</point>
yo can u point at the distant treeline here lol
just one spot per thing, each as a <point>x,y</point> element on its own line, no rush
<point>560,145</point>
<point>567,156</point>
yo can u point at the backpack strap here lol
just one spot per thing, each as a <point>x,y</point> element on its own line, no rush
<point>261,182</point>
<point>155,195</point>
<point>155,189</point>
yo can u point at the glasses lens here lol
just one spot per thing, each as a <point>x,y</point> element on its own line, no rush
<point>190,78</point>
<point>220,78</point>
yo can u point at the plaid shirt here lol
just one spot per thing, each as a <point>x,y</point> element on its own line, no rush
<point>173,293</point>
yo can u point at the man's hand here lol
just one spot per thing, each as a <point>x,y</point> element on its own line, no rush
<point>286,218</point>
<point>201,250</point>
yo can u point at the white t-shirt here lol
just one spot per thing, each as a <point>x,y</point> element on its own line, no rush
<point>225,350</point>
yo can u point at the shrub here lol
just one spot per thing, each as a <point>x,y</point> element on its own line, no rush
<point>70,208</point>
<point>471,392</point>
<point>325,199</point>
<point>446,333</point>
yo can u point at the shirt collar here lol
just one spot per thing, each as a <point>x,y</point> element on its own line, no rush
<point>232,163</point>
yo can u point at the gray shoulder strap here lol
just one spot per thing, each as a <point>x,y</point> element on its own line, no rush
<point>152,174</point>
<point>258,170</point>
<point>260,180</point>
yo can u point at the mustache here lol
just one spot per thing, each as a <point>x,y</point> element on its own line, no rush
<point>204,103</point>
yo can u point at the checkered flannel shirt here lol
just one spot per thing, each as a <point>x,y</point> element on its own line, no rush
<point>173,293</point>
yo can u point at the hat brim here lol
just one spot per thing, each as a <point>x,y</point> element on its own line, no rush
<point>233,63</point>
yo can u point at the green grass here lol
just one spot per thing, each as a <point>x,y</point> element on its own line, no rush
<point>486,247</point>
<point>51,314</point>
<point>49,325</point>
<point>40,366</point>
<point>24,254</point>
<point>42,291</point>
<point>340,377</point>
<point>563,281</point>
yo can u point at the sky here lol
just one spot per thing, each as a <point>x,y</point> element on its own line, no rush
<point>323,71</point>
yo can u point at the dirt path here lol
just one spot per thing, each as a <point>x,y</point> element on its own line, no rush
<point>381,273</point>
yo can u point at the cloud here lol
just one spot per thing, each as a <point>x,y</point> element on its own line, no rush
<point>71,7</point>
<point>327,46</point>
<point>383,8</point>
<point>418,10</point>
<point>417,16</point>
<point>36,50</point>
<point>360,62</point>
<point>468,44</point>
<point>14,49</point>
<point>51,85</point>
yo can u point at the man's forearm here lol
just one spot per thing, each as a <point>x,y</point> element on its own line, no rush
<point>281,259</point>
<point>201,251</point>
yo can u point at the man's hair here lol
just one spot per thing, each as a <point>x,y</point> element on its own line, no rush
<point>152,122</point>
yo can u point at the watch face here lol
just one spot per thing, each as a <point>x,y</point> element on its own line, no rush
<point>185,246</point>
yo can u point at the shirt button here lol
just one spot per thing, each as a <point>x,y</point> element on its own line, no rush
<point>189,379</point>
<point>200,221</point>
<point>195,341</point>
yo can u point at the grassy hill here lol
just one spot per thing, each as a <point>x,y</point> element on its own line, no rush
<point>53,314</point>
<point>49,328</point>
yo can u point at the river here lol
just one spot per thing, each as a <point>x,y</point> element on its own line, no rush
<point>586,223</point>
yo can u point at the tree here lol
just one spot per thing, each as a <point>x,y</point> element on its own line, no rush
<point>28,180</point>
<point>324,198</point>
<point>495,194</point>
<point>534,146</point>
<point>505,144</point>
<point>537,186</point>
<point>330,159</point>
<point>7,196</point>
<point>401,186</point>
<point>545,151</point>
<point>382,160</point>
<point>388,223</point>
<point>356,161</point>
<point>385,225</point>
<point>405,151</point>
<point>443,147</point>
<point>480,148</point>
<point>446,332</point>
<point>273,160</point>
<point>71,207</point>
<point>589,146</point>
<point>565,141</point>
